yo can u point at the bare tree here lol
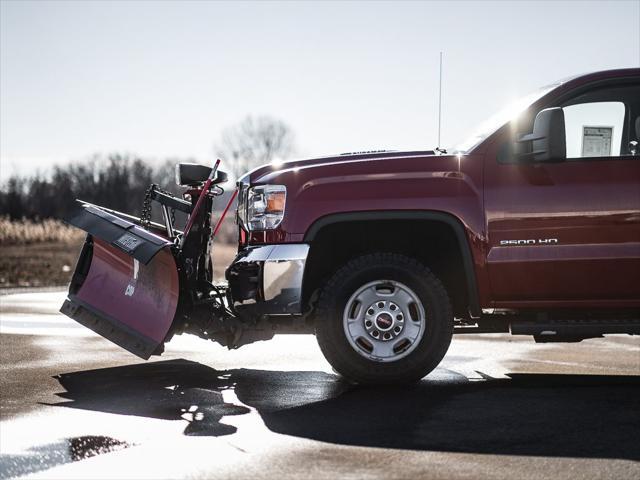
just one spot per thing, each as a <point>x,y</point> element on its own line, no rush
<point>253,142</point>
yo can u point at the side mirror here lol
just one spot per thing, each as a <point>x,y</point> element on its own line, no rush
<point>547,143</point>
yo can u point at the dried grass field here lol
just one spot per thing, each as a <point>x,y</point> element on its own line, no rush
<point>43,253</point>
<point>27,232</point>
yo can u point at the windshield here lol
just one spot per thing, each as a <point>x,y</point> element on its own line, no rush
<point>507,114</point>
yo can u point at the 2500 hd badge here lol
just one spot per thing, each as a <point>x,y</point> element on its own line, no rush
<point>532,241</point>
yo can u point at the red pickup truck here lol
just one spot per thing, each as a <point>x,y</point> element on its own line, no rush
<point>532,226</point>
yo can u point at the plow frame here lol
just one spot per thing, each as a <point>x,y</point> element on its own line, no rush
<point>137,283</point>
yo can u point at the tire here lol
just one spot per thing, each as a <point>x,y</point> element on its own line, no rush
<point>354,330</point>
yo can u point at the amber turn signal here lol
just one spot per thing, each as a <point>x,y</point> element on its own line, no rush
<point>275,202</point>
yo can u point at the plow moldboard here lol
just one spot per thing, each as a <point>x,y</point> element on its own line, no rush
<point>126,301</point>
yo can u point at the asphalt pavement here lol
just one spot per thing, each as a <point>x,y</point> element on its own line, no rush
<point>75,406</point>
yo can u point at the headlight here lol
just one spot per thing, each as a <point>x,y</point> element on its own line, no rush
<point>264,207</point>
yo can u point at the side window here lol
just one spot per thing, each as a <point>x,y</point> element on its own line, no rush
<point>600,123</point>
<point>594,129</point>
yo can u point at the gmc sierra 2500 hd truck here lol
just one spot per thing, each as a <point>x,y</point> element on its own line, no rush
<point>531,227</point>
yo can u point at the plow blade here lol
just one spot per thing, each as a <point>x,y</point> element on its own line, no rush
<point>125,286</point>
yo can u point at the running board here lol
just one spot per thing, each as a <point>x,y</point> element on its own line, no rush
<point>544,329</point>
<point>573,330</point>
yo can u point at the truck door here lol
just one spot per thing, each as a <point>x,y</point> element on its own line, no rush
<point>567,234</point>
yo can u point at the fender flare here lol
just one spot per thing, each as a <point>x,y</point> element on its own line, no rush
<point>446,218</point>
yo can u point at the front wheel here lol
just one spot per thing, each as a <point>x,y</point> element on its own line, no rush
<point>383,319</point>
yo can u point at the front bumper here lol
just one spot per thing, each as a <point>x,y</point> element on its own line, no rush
<point>267,280</point>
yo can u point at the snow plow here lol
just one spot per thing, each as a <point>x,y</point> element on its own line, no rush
<point>137,282</point>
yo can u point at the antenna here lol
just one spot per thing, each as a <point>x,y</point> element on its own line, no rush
<point>440,103</point>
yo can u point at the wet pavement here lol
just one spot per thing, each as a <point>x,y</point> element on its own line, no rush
<point>75,406</point>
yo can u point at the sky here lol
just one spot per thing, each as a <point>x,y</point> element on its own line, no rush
<point>162,79</point>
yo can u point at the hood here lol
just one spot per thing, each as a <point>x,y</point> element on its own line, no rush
<point>266,170</point>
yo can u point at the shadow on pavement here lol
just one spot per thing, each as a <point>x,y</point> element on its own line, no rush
<point>525,414</point>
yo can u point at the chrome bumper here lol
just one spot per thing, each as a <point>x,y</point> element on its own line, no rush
<point>267,280</point>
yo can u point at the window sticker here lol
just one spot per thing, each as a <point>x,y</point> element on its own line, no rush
<point>596,141</point>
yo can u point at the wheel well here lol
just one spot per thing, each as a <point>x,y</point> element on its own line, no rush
<point>433,242</point>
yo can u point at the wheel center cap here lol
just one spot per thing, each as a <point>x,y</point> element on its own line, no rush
<point>384,321</point>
